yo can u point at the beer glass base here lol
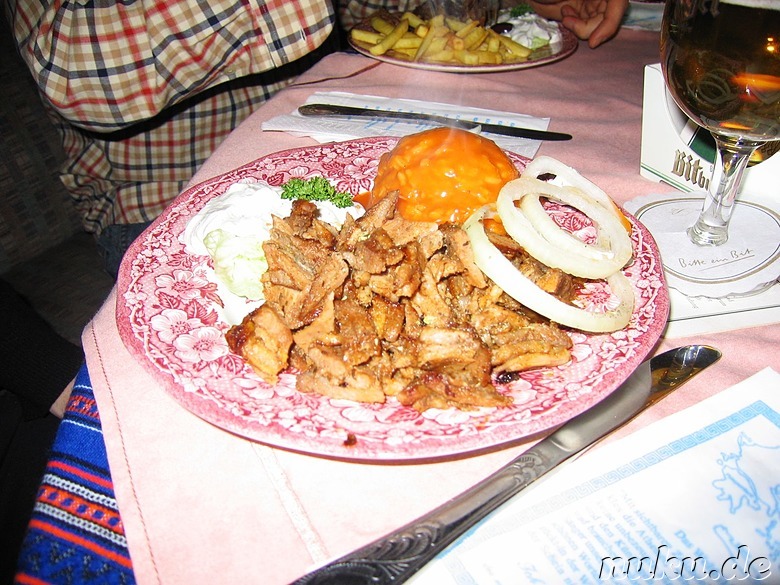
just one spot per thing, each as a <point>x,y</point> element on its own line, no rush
<point>707,235</point>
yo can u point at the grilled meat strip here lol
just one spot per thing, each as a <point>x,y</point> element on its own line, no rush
<point>389,307</point>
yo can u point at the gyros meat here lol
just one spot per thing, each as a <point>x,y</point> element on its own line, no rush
<point>390,307</point>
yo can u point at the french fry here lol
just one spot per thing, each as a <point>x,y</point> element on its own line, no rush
<point>466,30</point>
<point>365,36</point>
<point>467,57</point>
<point>437,44</point>
<point>437,20</point>
<point>391,39</point>
<point>408,43</point>
<point>443,56</point>
<point>438,40</point>
<point>489,58</point>
<point>414,20</point>
<point>516,49</point>
<point>456,43</point>
<point>454,23</point>
<point>405,54</point>
<point>435,31</point>
<point>379,24</point>
<point>475,38</point>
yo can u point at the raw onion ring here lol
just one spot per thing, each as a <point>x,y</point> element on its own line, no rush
<point>543,239</point>
<point>499,269</point>
<point>532,208</point>
<point>566,175</point>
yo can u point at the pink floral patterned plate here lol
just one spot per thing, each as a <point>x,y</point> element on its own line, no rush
<point>168,313</point>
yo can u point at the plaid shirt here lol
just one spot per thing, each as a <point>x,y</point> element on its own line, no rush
<point>144,90</point>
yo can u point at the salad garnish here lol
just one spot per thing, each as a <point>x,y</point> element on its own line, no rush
<point>315,189</point>
<point>520,10</point>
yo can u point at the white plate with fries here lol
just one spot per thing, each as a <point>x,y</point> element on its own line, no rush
<point>450,45</point>
<point>169,317</point>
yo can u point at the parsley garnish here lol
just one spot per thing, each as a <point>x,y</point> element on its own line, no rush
<point>520,10</point>
<point>315,189</point>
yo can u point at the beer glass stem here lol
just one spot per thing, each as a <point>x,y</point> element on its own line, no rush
<point>711,229</point>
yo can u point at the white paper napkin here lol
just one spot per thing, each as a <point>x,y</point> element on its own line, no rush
<point>719,288</point>
<point>336,129</point>
<point>690,316</point>
<point>643,15</point>
<point>700,484</point>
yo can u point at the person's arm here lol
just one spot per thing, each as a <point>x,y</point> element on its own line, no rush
<point>106,65</point>
<point>594,20</point>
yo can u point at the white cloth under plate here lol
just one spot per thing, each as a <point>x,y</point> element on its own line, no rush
<point>324,129</point>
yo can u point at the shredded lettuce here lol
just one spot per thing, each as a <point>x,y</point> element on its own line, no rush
<point>238,262</point>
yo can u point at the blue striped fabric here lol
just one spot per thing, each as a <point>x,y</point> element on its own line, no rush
<point>76,533</point>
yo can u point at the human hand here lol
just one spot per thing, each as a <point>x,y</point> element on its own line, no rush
<point>596,21</point>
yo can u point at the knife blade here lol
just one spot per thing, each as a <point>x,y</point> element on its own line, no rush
<point>399,555</point>
<point>336,110</point>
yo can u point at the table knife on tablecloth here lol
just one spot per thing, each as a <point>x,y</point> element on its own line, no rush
<point>342,111</point>
<point>399,555</point>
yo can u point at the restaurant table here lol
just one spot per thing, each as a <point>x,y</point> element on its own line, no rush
<point>140,490</point>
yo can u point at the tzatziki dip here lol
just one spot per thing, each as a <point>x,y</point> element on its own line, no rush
<point>231,229</point>
<point>531,30</point>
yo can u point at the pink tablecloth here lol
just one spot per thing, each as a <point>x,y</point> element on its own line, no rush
<point>203,506</point>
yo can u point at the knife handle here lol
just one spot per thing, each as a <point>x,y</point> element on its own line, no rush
<point>399,555</point>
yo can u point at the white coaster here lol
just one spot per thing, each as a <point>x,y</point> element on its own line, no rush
<point>747,263</point>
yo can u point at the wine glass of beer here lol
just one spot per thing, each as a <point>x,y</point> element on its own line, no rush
<point>721,63</point>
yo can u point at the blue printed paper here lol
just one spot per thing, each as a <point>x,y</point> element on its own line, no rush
<point>694,497</point>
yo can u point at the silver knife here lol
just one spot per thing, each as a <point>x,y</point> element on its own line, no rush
<point>335,110</point>
<point>399,555</point>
